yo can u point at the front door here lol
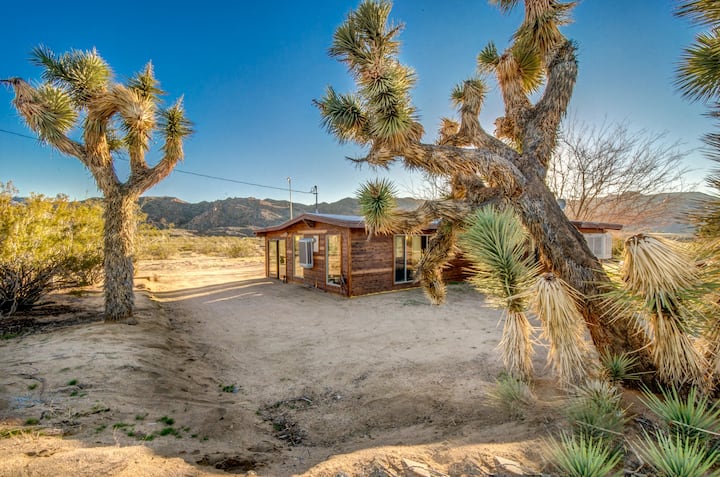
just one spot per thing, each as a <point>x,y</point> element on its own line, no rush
<point>277,259</point>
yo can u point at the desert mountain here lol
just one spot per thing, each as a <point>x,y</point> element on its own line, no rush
<point>242,215</point>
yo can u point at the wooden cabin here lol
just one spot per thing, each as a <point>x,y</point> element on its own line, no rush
<point>333,253</point>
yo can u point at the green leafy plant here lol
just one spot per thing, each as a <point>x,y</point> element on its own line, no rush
<point>169,421</point>
<point>579,456</point>
<point>596,413</point>
<point>692,417</point>
<point>512,395</point>
<point>495,242</point>
<point>45,243</point>
<point>676,455</point>
<point>619,367</point>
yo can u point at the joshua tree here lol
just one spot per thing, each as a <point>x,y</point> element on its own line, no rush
<point>78,92</point>
<point>699,80</point>
<point>480,166</point>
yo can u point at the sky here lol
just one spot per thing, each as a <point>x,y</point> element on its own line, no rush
<point>249,71</point>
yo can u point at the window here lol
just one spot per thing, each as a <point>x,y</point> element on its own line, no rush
<point>408,250</point>
<point>298,270</point>
<point>600,244</point>
<point>305,254</point>
<point>333,260</point>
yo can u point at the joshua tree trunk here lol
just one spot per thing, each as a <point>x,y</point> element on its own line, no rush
<point>564,251</point>
<point>120,227</point>
<point>78,92</point>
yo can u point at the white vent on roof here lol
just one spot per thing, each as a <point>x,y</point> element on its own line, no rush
<point>306,252</point>
<point>600,245</point>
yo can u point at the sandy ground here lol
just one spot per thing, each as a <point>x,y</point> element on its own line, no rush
<point>227,371</point>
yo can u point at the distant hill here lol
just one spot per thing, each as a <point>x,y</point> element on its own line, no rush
<point>242,215</point>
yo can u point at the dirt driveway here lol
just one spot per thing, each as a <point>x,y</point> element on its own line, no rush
<point>253,375</point>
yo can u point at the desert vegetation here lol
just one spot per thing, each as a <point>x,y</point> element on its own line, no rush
<point>45,244</point>
<point>632,345</point>
<point>78,91</point>
<point>160,244</point>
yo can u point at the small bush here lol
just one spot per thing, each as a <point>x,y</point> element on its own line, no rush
<point>45,243</point>
<point>676,455</point>
<point>692,417</point>
<point>23,283</point>
<point>582,457</point>
<point>619,367</point>
<point>596,414</point>
<point>512,395</point>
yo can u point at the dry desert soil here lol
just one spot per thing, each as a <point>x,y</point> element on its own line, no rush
<point>229,372</point>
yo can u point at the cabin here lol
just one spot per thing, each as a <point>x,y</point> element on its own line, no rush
<point>333,253</point>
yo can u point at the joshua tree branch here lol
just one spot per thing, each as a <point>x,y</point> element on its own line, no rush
<point>32,110</point>
<point>550,109</point>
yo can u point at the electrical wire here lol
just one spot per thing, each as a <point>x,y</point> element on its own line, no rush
<point>198,174</point>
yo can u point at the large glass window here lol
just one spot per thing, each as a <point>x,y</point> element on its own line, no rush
<point>408,250</point>
<point>298,270</point>
<point>333,259</point>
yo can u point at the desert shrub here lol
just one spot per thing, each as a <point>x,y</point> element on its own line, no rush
<point>156,244</point>
<point>674,455</point>
<point>579,456</point>
<point>595,412</point>
<point>46,243</point>
<point>23,283</point>
<point>512,395</point>
<point>692,416</point>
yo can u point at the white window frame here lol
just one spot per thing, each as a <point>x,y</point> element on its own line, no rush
<point>306,252</point>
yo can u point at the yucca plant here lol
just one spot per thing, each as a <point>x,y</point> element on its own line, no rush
<point>596,413</point>
<point>579,456</point>
<point>661,274</point>
<point>677,456</point>
<point>692,416</point>
<point>618,368</point>
<point>496,244</point>
<point>555,303</point>
<point>512,395</point>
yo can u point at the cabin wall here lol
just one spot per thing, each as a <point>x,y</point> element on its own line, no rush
<point>367,265</point>
<point>315,276</point>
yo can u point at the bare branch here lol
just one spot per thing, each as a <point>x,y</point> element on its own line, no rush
<point>607,173</point>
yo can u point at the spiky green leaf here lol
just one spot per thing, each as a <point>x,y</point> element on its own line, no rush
<point>488,58</point>
<point>82,74</point>
<point>377,204</point>
<point>55,114</point>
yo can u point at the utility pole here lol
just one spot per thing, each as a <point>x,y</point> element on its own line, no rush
<point>314,191</point>
<point>290,190</point>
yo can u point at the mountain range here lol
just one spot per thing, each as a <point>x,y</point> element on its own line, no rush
<point>242,215</point>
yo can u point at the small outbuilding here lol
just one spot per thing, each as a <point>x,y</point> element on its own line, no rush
<point>333,253</point>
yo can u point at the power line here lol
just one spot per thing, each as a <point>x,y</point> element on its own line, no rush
<point>18,134</point>
<point>198,174</point>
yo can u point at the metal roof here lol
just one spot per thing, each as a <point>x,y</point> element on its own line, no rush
<point>358,222</point>
<point>350,221</point>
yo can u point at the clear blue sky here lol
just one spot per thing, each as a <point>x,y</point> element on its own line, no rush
<point>250,70</point>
